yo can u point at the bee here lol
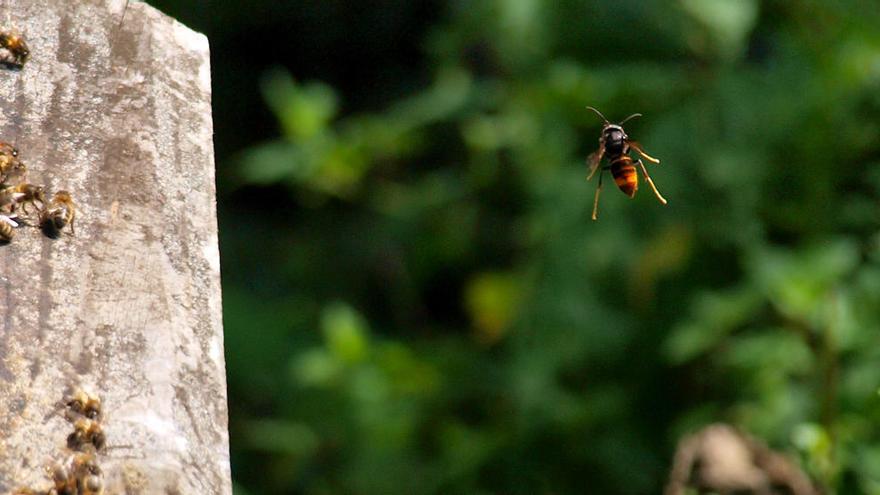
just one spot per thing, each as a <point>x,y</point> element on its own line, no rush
<point>7,228</point>
<point>63,481</point>
<point>87,473</point>
<point>615,145</point>
<point>29,194</point>
<point>8,150</point>
<point>15,173</point>
<point>14,51</point>
<point>11,168</point>
<point>82,404</point>
<point>59,213</point>
<point>86,434</point>
<point>84,464</point>
<point>8,198</point>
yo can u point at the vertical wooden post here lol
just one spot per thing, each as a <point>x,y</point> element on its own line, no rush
<point>129,308</point>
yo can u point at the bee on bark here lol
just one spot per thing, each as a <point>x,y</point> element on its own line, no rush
<point>8,150</point>
<point>14,51</point>
<point>63,481</point>
<point>87,473</point>
<point>29,194</point>
<point>82,404</point>
<point>7,229</point>
<point>615,145</point>
<point>8,199</point>
<point>12,170</point>
<point>15,172</point>
<point>86,433</point>
<point>58,214</point>
<point>84,464</point>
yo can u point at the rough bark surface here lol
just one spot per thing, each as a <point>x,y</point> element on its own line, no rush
<point>128,308</point>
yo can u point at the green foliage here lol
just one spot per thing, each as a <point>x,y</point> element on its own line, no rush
<point>790,361</point>
<point>431,310</point>
<point>333,159</point>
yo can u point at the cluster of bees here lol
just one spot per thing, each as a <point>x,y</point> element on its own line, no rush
<point>17,195</point>
<point>79,474</point>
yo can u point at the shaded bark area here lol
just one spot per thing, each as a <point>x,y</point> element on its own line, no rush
<point>118,114</point>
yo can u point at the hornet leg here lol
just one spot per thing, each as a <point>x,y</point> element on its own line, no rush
<point>598,191</point>
<point>638,147</point>
<point>650,182</point>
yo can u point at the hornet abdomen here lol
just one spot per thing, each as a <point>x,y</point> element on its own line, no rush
<point>625,176</point>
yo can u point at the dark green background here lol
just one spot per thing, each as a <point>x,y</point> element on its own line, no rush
<point>416,300</point>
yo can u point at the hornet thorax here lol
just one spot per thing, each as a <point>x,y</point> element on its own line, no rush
<point>614,140</point>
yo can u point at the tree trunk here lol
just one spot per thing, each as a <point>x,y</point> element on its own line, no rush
<point>129,307</point>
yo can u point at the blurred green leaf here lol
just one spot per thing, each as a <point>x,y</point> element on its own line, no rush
<point>713,317</point>
<point>465,449</point>
<point>492,300</point>
<point>798,283</point>
<point>303,110</point>
<point>281,437</point>
<point>409,375</point>
<point>773,349</point>
<point>816,443</point>
<point>345,333</point>
<point>316,367</point>
<point>729,21</point>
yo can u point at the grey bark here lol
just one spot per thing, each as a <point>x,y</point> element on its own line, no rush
<point>129,308</point>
